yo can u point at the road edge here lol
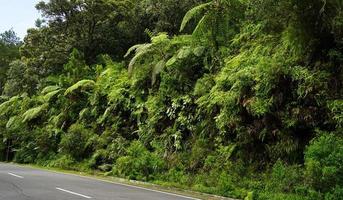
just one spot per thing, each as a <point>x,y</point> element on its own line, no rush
<point>174,191</point>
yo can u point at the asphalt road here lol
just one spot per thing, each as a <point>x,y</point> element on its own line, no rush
<point>21,183</point>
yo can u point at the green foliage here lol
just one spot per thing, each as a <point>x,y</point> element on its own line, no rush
<point>336,108</point>
<point>335,194</point>
<point>281,196</point>
<point>50,88</point>
<point>19,79</point>
<point>139,163</point>
<point>64,162</point>
<point>215,25</point>
<point>284,179</point>
<point>7,106</point>
<point>192,13</point>
<point>81,85</point>
<point>34,112</point>
<point>9,51</point>
<point>248,106</point>
<point>76,141</point>
<point>323,161</point>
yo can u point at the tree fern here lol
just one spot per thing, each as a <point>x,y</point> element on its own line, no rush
<point>50,88</point>
<point>83,113</point>
<point>194,12</point>
<point>5,106</point>
<point>47,97</point>
<point>140,51</point>
<point>156,48</point>
<point>202,27</point>
<point>33,113</point>
<point>105,115</point>
<point>157,69</point>
<point>219,20</point>
<point>14,122</point>
<point>78,85</point>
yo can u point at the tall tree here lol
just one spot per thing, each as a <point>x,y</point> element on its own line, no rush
<point>9,51</point>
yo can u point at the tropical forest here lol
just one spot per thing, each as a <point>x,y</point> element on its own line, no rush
<point>235,98</point>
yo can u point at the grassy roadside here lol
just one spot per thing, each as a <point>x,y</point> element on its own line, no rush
<point>115,180</point>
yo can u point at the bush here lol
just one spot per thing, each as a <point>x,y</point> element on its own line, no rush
<point>25,154</point>
<point>220,182</point>
<point>74,143</point>
<point>282,196</point>
<point>139,163</point>
<point>335,194</point>
<point>176,176</point>
<point>323,162</point>
<point>63,162</point>
<point>99,160</point>
<point>284,178</point>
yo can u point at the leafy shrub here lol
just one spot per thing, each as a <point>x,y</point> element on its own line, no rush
<point>219,181</point>
<point>284,178</point>
<point>335,194</point>
<point>178,176</point>
<point>323,161</point>
<point>282,196</point>
<point>100,160</point>
<point>139,163</point>
<point>227,187</point>
<point>25,154</point>
<point>75,142</point>
<point>63,162</point>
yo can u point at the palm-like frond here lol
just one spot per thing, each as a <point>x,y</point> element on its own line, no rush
<point>83,113</point>
<point>50,88</point>
<point>51,94</point>
<point>202,26</point>
<point>193,13</point>
<point>5,106</point>
<point>33,113</point>
<point>156,70</point>
<point>81,84</point>
<point>140,51</point>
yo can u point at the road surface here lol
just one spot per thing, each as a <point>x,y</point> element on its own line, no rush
<point>21,183</point>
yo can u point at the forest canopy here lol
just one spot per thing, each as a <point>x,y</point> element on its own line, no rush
<point>239,98</point>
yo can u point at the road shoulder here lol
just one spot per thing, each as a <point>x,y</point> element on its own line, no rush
<point>128,183</point>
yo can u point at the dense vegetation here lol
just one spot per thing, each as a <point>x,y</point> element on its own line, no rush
<point>241,98</point>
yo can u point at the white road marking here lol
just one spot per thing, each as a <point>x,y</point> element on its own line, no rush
<point>132,186</point>
<point>15,175</point>
<point>122,184</point>
<point>74,193</point>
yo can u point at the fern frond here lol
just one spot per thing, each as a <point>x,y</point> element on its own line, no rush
<point>184,53</point>
<point>193,13</point>
<point>6,105</point>
<point>199,51</point>
<point>141,50</point>
<point>33,113</point>
<point>171,61</point>
<point>157,69</point>
<point>78,85</point>
<point>50,95</point>
<point>83,113</point>
<point>132,49</point>
<point>105,115</point>
<point>50,88</point>
<point>105,72</point>
<point>202,26</point>
<point>57,120</point>
<point>12,121</point>
<point>161,37</point>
